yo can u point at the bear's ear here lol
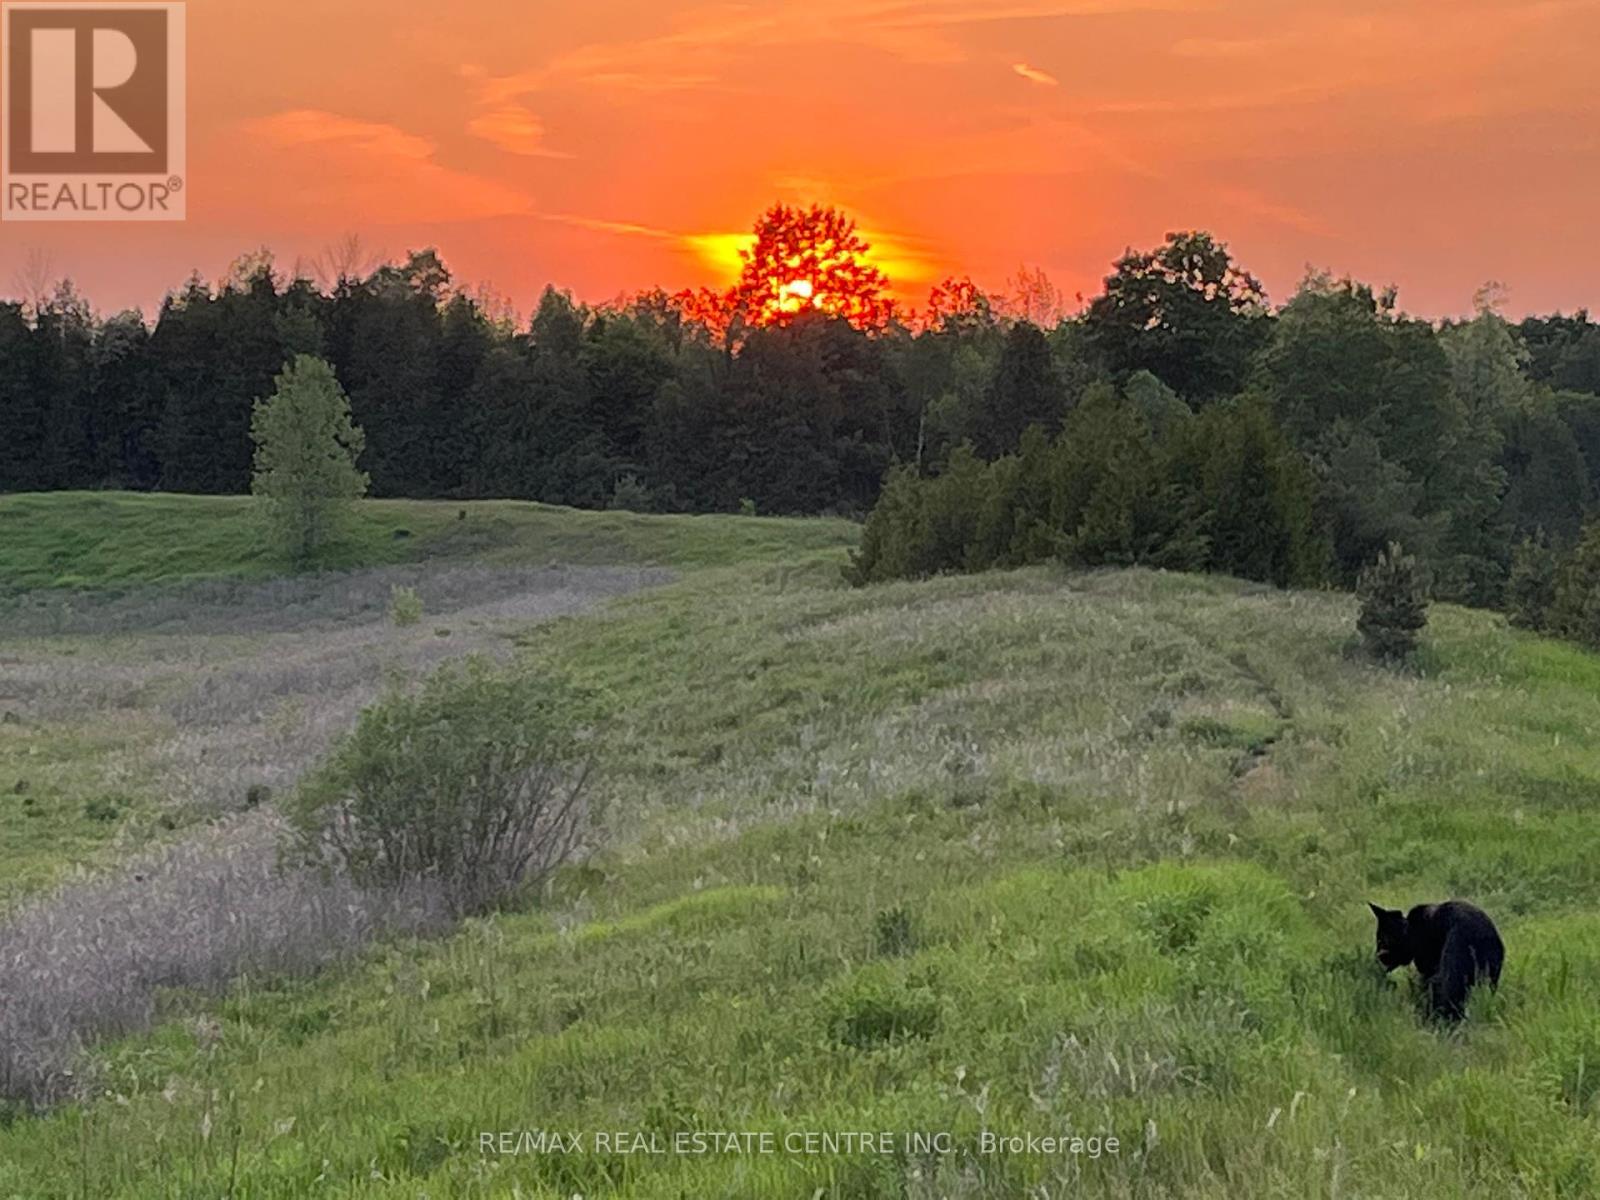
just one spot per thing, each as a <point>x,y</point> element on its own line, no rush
<point>1381,913</point>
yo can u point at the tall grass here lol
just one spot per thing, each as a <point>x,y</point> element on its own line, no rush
<point>191,700</point>
<point>93,960</point>
<point>1024,853</point>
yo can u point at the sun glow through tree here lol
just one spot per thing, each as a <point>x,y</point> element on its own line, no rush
<point>810,260</point>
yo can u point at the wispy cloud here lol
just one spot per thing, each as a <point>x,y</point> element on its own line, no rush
<point>371,166</point>
<point>515,128</point>
<point>621,228</point>
<point>1035,75</point>
<point>708,38</point>
<point>312,127</point>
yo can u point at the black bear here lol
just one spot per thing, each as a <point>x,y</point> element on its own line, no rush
<point>1454,945</point>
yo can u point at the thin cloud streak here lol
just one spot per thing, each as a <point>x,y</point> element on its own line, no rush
<point>515,129</point>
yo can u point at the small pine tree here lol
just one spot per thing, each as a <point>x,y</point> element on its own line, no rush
<point>305,459</point>
<point>1394,605</point>
<point>1531,586</point>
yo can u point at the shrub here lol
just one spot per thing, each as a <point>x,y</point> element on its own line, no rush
<point>1531,586</point>
<point>477,781</point>
<point>1394,605</point>
<point>405,606</point>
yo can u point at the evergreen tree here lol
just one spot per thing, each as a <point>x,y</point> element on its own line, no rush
<point>1575,607</point>
<point>126,416</point>
<point>1531,587</point>
<point>1394,605</point>
<point>1161,407</point>
<point>894,541</point>
<point>64,332</point>
<point>1250,495</point>
<point>386,330</point>
<point>1021,520</point>
<point>1024,391</point>
<point>1548,486</point>
<point>1580,413</point>
<point>305,459</point>
<point>1113,501</point>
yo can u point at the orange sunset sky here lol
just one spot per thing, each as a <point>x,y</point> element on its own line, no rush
<point>611,145</point>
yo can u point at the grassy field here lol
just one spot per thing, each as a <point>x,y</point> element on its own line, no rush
<point>1020,854</point>
<point>123,616</point>
<point>98,540</point>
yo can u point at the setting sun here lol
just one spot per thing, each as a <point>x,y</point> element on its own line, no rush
<point>797,295</point>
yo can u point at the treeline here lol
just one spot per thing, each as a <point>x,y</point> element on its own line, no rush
<point>1223,491</point>
<point>1178,418</point>
<point>1555,589</point>
<point>1209,432</point>
<point>586,406</point>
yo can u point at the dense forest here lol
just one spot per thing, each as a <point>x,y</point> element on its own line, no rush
<point>1176,417</point>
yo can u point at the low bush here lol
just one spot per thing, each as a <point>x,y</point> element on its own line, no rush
<point>405,606</point>
<point>476,782</point>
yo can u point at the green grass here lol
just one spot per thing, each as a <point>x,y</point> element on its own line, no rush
<point>76,792</point>
<point>1019,853</point>
<point>55,806</point>
<point>95,540</point>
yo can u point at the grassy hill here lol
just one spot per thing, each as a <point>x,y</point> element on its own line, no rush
<point>1026,853</point>
<point>83,574</point>
<point>120,539</point>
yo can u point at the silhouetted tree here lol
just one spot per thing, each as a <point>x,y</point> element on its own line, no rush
<point>1183,311</point>
<point>810,260</point>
